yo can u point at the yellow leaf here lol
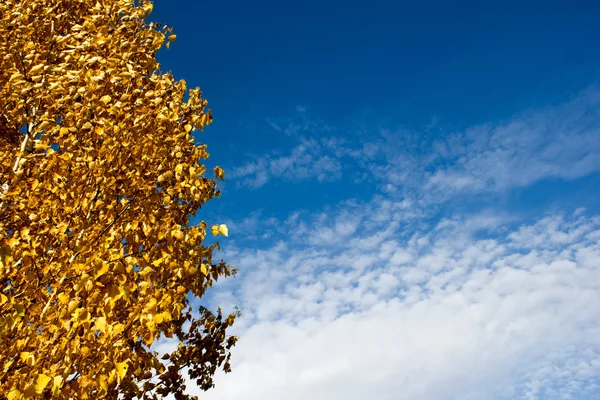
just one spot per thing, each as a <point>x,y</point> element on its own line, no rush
<point>39,146</point>
<point>219,173</point>
<point>188,128</point>
<point>121,369</point>
<point>103,382</point>
<point>58,380</point>
<point>44,124</point>
<point>157,262</point>
<point>93,60</point>
<point>172,38</point>
<point>101,324</point>
<point>36,69</point>
<point>158,318</point>
<point>41,382</point>
<point>166,316</point>
<point>117,329</point>
<point>13,394</point>
<point>223,230</point>
<point>215,230</point>
<point>146,271</point>
<point>203,269</point>
<point>63,298</point>
<point>105,99</point>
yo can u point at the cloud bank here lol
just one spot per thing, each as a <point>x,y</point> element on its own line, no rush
<point>434,314</point>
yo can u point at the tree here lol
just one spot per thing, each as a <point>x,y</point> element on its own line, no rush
<point>99,179</point>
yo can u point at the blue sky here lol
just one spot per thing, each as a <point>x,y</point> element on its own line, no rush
<point>416,180</point>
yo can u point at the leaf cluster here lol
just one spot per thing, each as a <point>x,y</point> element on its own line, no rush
<point>99,178</point>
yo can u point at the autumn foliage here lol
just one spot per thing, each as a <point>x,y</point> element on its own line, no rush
<point>99,178</point>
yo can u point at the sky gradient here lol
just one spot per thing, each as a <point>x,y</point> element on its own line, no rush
<point>411,194</point>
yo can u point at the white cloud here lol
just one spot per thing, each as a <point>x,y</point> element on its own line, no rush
<point>409,312</point>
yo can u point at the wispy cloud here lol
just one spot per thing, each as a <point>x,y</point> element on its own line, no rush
<point>556,142</point>
<point>307,160</point>
<point>561,141</point>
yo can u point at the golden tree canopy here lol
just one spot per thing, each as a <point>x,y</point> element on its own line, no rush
<point>99,177</point>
